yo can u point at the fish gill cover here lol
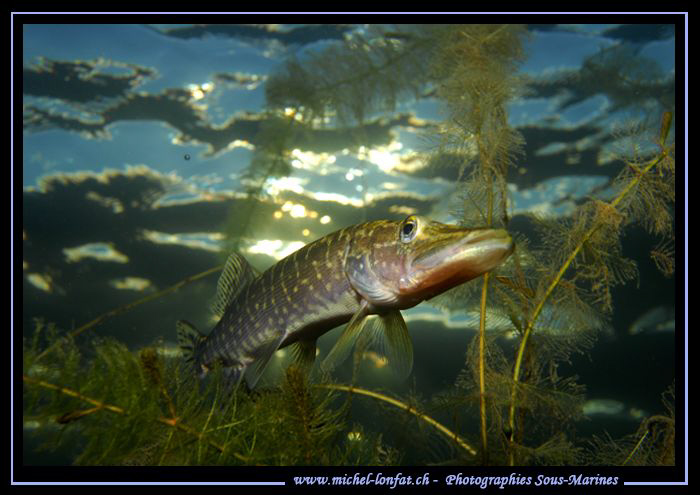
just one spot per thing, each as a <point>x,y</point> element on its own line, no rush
<point>142,174</point>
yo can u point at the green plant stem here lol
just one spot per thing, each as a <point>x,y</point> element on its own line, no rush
<point>482,343</point>
<point>550,289</point>
<point>489,169</point>
<point>639,443</point>
<point>406,407</point>
<point>647,422</point>
<point>73,393</point>
<point>482,372</point>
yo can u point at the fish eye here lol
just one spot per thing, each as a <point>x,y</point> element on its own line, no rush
<point>409,228</point>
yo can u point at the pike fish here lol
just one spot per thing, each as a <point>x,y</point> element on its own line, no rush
<point>362,275</point>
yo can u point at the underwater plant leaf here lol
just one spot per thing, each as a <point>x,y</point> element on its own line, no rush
<point>308,419</point>
<point>556,451</point>
<point>650,172</point>
<point>664,256</point>
<point>352,79</point>
<point>653,444</point>
<point>476,69</point>
<point>594,231</point>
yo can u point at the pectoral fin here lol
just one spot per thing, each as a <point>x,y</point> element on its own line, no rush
<point>397,345</point>
<point>303,353</point>
<point>388,334</point>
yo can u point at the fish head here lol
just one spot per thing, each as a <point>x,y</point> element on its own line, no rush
<point>405,262</point>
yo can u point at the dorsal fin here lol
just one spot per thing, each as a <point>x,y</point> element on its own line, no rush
<point>235,277</point>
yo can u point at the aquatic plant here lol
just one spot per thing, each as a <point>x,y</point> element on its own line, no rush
<point>564,282</point>
<point>479,65</point>
<point>144,408</point>
<point>368,72</point>
<point>653,444</point>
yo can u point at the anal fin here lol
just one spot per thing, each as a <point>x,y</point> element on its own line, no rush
<point>262,357</point>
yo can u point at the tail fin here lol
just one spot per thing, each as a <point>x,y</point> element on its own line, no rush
<point>189,339</point>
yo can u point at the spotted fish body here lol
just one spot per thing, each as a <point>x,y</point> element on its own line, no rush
<point>363,274</point>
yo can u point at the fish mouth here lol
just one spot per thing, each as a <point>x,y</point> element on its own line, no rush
<point>454,257</point>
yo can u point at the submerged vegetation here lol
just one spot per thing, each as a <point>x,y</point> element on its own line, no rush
<point>145,408</point>
<point>141,409</point>
<point>118,407</point>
